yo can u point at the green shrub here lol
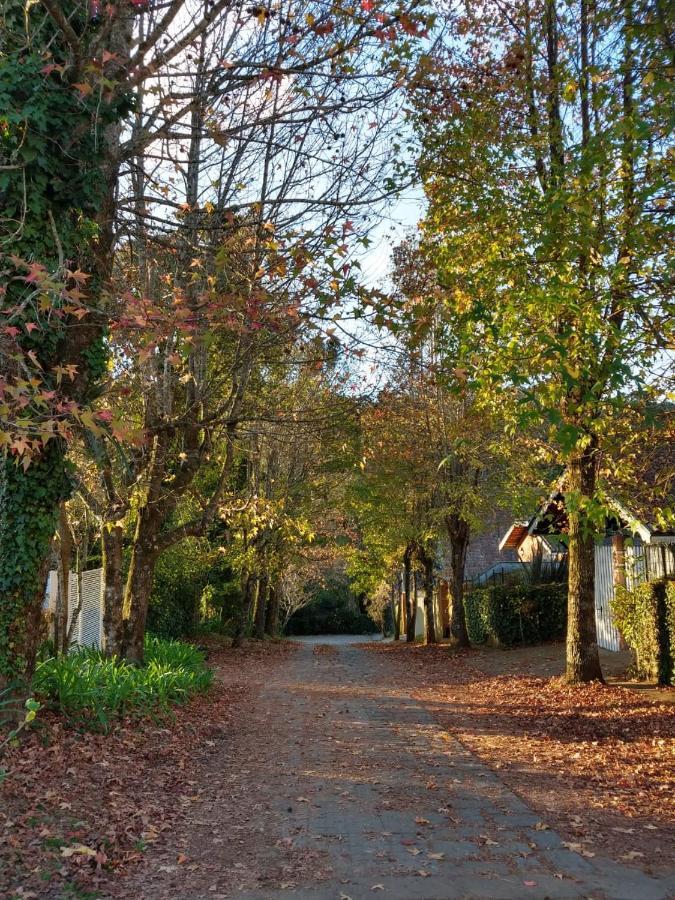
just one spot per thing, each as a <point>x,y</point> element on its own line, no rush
<point>177,587</point>
<point>670,627</point>
<point>92,691</point>
<point>516,614</point>
<point>645,617</point>
<point>334,610</point>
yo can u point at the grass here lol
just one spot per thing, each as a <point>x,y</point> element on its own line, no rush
<point>93,691</point>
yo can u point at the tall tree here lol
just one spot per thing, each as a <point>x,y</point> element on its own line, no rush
<point>546,134</point>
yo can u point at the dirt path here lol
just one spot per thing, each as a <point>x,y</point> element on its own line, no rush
<point>339,785</point>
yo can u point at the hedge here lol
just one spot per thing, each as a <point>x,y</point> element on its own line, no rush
<point>516,614</point>
<point>645,617</point>
<point>670,627</point>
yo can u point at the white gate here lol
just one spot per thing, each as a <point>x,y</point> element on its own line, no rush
<point>608,636</point>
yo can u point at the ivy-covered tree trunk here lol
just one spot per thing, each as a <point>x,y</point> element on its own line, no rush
<point>458,532</point>
<point>58,157</point>
<point>583,660</point>
<point>29,510</point>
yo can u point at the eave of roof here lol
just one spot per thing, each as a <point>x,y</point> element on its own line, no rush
<point>514,537</point>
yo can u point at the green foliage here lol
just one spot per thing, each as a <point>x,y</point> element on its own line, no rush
<point>29,509</point>
<point>645,617</point>
<point>31,709</point>
<point>334,611</point>
<point>177,587</point>
<point>92,691</point>
<point>51,187</point>
<point>516,614</point>
<point>670,627</point>
<point>191,589</point>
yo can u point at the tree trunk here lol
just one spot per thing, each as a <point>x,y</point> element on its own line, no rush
<point>583,660</point>
<point>29,509</point>
<point>458,532</point>
<point>137,601</point>
<point>139,582</point>
<point>30,498</point>
<point>398,609</point>
<point>272,612</point>
<point>410,604</point>
<point>244,617</point>
<point>113,592</point>
<point>401,621</point>
<point>66,543</point>
<point>260,608</point>
<point>444,604</point>
<point>429,618</point>
<point>619,571</point>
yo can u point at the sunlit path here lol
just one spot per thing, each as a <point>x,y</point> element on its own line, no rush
<point>364,794</point>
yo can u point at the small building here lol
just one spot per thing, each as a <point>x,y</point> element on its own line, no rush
<point>628,553</point>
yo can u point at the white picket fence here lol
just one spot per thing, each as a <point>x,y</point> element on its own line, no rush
<point>84,591</point>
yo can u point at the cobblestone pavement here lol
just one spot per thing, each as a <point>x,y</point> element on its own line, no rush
<point>401,810</point>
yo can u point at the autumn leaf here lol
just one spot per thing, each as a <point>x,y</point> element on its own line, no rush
<point>83,87</point>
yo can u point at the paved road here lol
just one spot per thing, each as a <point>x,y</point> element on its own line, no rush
<point>334,640</point>
<point>396,808</point>
<point>336,785</point>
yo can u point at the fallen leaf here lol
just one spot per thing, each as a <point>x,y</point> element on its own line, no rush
<point>77,848</point>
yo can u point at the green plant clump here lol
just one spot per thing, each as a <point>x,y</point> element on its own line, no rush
<point>670,627</point>
<point>505,615</point>
<point>93,691</point>
<point>645,617</point>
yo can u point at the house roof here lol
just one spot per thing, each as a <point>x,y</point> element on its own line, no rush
<point>514,537</point>
<point>551,518</point>
<point>640,494</point>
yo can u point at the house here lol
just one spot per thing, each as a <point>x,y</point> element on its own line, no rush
<point>629,552</point>
<point>486,560</point>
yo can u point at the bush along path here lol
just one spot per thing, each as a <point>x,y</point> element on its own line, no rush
<point>102,773</point>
